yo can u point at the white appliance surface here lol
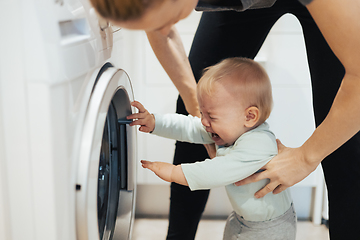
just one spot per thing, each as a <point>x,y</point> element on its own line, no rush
<point>61,128</point>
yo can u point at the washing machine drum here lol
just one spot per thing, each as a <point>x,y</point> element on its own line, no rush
<point>105,188</point>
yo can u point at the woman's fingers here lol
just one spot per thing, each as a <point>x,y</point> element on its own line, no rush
<point>284,170</point>
<point>270,187</point>
<point>279,189</point>
<point>273,186</point>
<point>252,178</point>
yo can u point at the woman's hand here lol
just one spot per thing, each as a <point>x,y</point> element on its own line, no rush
<point>144,118</point>
<point>284,170</point>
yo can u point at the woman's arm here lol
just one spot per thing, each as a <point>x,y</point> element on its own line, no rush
<point>339,22</point>
<point>170,52</point>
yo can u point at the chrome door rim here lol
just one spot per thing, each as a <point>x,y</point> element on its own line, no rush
<point>110,81</point>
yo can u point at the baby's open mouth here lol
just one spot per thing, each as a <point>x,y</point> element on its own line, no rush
<point>214,136</point>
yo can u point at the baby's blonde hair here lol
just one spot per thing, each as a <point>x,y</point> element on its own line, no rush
<point>123,10</point>
<point>250,83</point>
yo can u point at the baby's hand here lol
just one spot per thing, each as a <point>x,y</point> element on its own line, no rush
<point>161,169</point>
<point>144,118</point>
<point>166,171</point>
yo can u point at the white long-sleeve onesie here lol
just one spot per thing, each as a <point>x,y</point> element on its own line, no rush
<point>250,152</point>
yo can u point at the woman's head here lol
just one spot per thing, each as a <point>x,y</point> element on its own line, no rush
<point>246,82</point>
<point>123,10</point>
<point>148,15</point>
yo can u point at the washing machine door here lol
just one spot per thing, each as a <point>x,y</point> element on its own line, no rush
<point>105,190</point>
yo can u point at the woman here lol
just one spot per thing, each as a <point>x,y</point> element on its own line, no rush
<point>222,34</point>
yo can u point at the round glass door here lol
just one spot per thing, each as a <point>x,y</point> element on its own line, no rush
<point>107,174</point>
<point>108,177</point>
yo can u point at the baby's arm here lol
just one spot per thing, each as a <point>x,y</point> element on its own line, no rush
<point>173,126</point>
<point>166,171</point>
<point>144,118</point>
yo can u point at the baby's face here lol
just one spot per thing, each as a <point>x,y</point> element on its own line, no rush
<point>222,115</point>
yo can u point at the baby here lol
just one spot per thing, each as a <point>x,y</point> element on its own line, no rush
<point>235,99</point>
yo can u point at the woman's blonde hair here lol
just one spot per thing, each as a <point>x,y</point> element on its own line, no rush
<point>123,10</point>
<point>250,83</point>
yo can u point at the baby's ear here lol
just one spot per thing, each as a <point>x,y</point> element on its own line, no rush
<point>252,116</point>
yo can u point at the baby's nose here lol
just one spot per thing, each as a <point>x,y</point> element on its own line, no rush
<point>205,122</point>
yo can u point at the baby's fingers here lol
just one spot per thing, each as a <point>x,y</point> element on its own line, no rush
<point>139,106</point>
<point>133,116</point>
<point>145,129</point>
<point>145,164</point>
<point>136,116</point>
<point>143,125</point>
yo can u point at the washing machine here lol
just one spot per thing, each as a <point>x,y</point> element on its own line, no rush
<point>67,153</point>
